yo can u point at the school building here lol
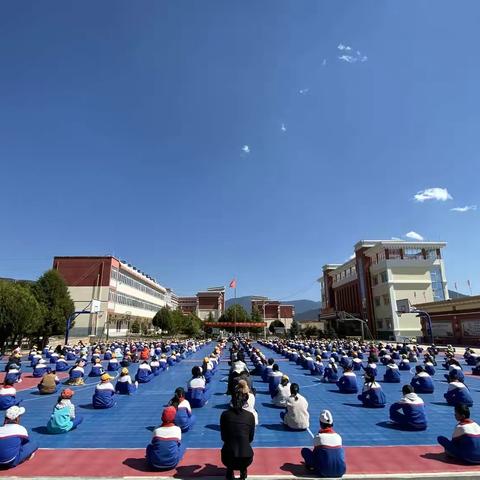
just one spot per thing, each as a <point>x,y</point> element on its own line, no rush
<point>206,304</point>
<point>369,284</point>
<point>271,310</point>
<point>126,294</point>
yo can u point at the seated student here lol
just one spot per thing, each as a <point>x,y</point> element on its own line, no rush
<point>412,357</point>
<point>371,368</point>
<point>455,367</point>
<point>8,395</point>
<point>97,369</point>
<point>184,418</point>
<point>457,393</point>
<point>327,458</point>
<point>13,373</point>
<point>356,362</point>
<point>54,356</point>
<point>35,358</point>
<point>266,373</point>
<point>413,408</point>
<point>155,366</point>
<point>476,369</point>
<point>392,373</point>
<point>104,395</point>
<point>124,385</point>
<point>61,365</point>
<point>113,364</point>
<point>372,395</point>
<point>465,443</point>
<point>144,373</point>
<point>348,381</point>
<point>330,374</point>
<point>296,417</point>
<point>429,365</point>
<point>404,364</point>
<point>197,392</point>
<point>166,448</point>
<point>163,362</point>
<point>283,392</point>
<point>15,445</point>
<point>49,383</point>
<point>63,418</point>
<point>172,359</point>
<point>77,373</point>
<point>207,369</point>
<point>274,380</point>
<point>40,369</point>
<point>318,366</point>
<point>422,382</point>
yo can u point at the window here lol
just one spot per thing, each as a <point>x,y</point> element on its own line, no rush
<point>380,324</point>
<point>377,301</point>
<point>131,282</point>
<point>437,285</point>
<point>388,323</point>
<point>375,280</point>
<point>384,277</point>
<point>386,299</point>
<point>394,253</point>
<point>432,254</point>
<point>413,253</point>
<point>381,256</point>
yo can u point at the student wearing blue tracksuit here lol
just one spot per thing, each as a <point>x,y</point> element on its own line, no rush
<point>457,393</point>
<point>356,362</point>
<point>40,369</point>
<point>97,369</point>
<point>144,373</point>
<point>61,365</point>
<point>8,395</point>
<point>197,393</point>
<point>166,448</point>
<point>372,395</point>
<point>409,412</point>
<point>455,368</point>
<point>327,459</point>
<point>125,385</point>
<point>371,368</point>
<point>465,442</point>
<point>392,373</point>
<point>330,374</point>
<point>274,380</point>
<point>422,382</point>
<point>348,381</point>
<point>15,444</point>
<point>404,364</point>
<point>184,418</point>
<point>104,395</point>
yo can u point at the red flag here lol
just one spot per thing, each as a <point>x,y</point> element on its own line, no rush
<point>233,284</point>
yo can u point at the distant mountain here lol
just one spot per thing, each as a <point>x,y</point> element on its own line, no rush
<point>301,306</point>
<point>308,316</point>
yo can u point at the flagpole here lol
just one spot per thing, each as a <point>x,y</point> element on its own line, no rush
<point>235,309</point>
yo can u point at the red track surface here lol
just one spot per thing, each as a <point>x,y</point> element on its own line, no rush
<point>206,462</point>
<point>30,382</point>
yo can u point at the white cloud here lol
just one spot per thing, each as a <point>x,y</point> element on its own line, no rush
<point>435,193</point>
<point>324,62</point>
<point>246,149</point>
<point>347,58</point>
<point>303,91</point>
<point>342,47</point>
<point>283,128</point>
<point>414,236</point>
<point>466,208</point>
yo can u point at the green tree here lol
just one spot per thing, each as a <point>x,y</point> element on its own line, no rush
<point>52,294</point>
<point>135,327</point>
<point>236,313</point>
<point>20,313</point>
<point>163,320</point>
<point>178,321</point>
<point>294,329</point>
<point>275,324</point>
<point>310,331</point>
<point>192,325</point>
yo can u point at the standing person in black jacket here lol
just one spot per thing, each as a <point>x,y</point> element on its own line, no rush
<point>237,427</point>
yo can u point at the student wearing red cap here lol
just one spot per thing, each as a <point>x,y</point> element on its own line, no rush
<point>166,448</point>
<point>63,418</point>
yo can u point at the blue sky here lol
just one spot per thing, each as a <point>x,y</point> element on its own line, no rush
<point>123,127</point>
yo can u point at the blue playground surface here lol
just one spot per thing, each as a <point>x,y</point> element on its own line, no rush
<point>130,423</point>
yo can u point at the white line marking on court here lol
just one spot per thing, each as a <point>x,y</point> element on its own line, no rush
<point>310,432</point>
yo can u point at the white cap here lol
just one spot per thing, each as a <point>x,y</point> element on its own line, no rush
<point>326,417</point>
<point>14,412</point>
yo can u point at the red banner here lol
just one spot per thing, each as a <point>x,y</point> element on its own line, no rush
<point>232,324</point>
